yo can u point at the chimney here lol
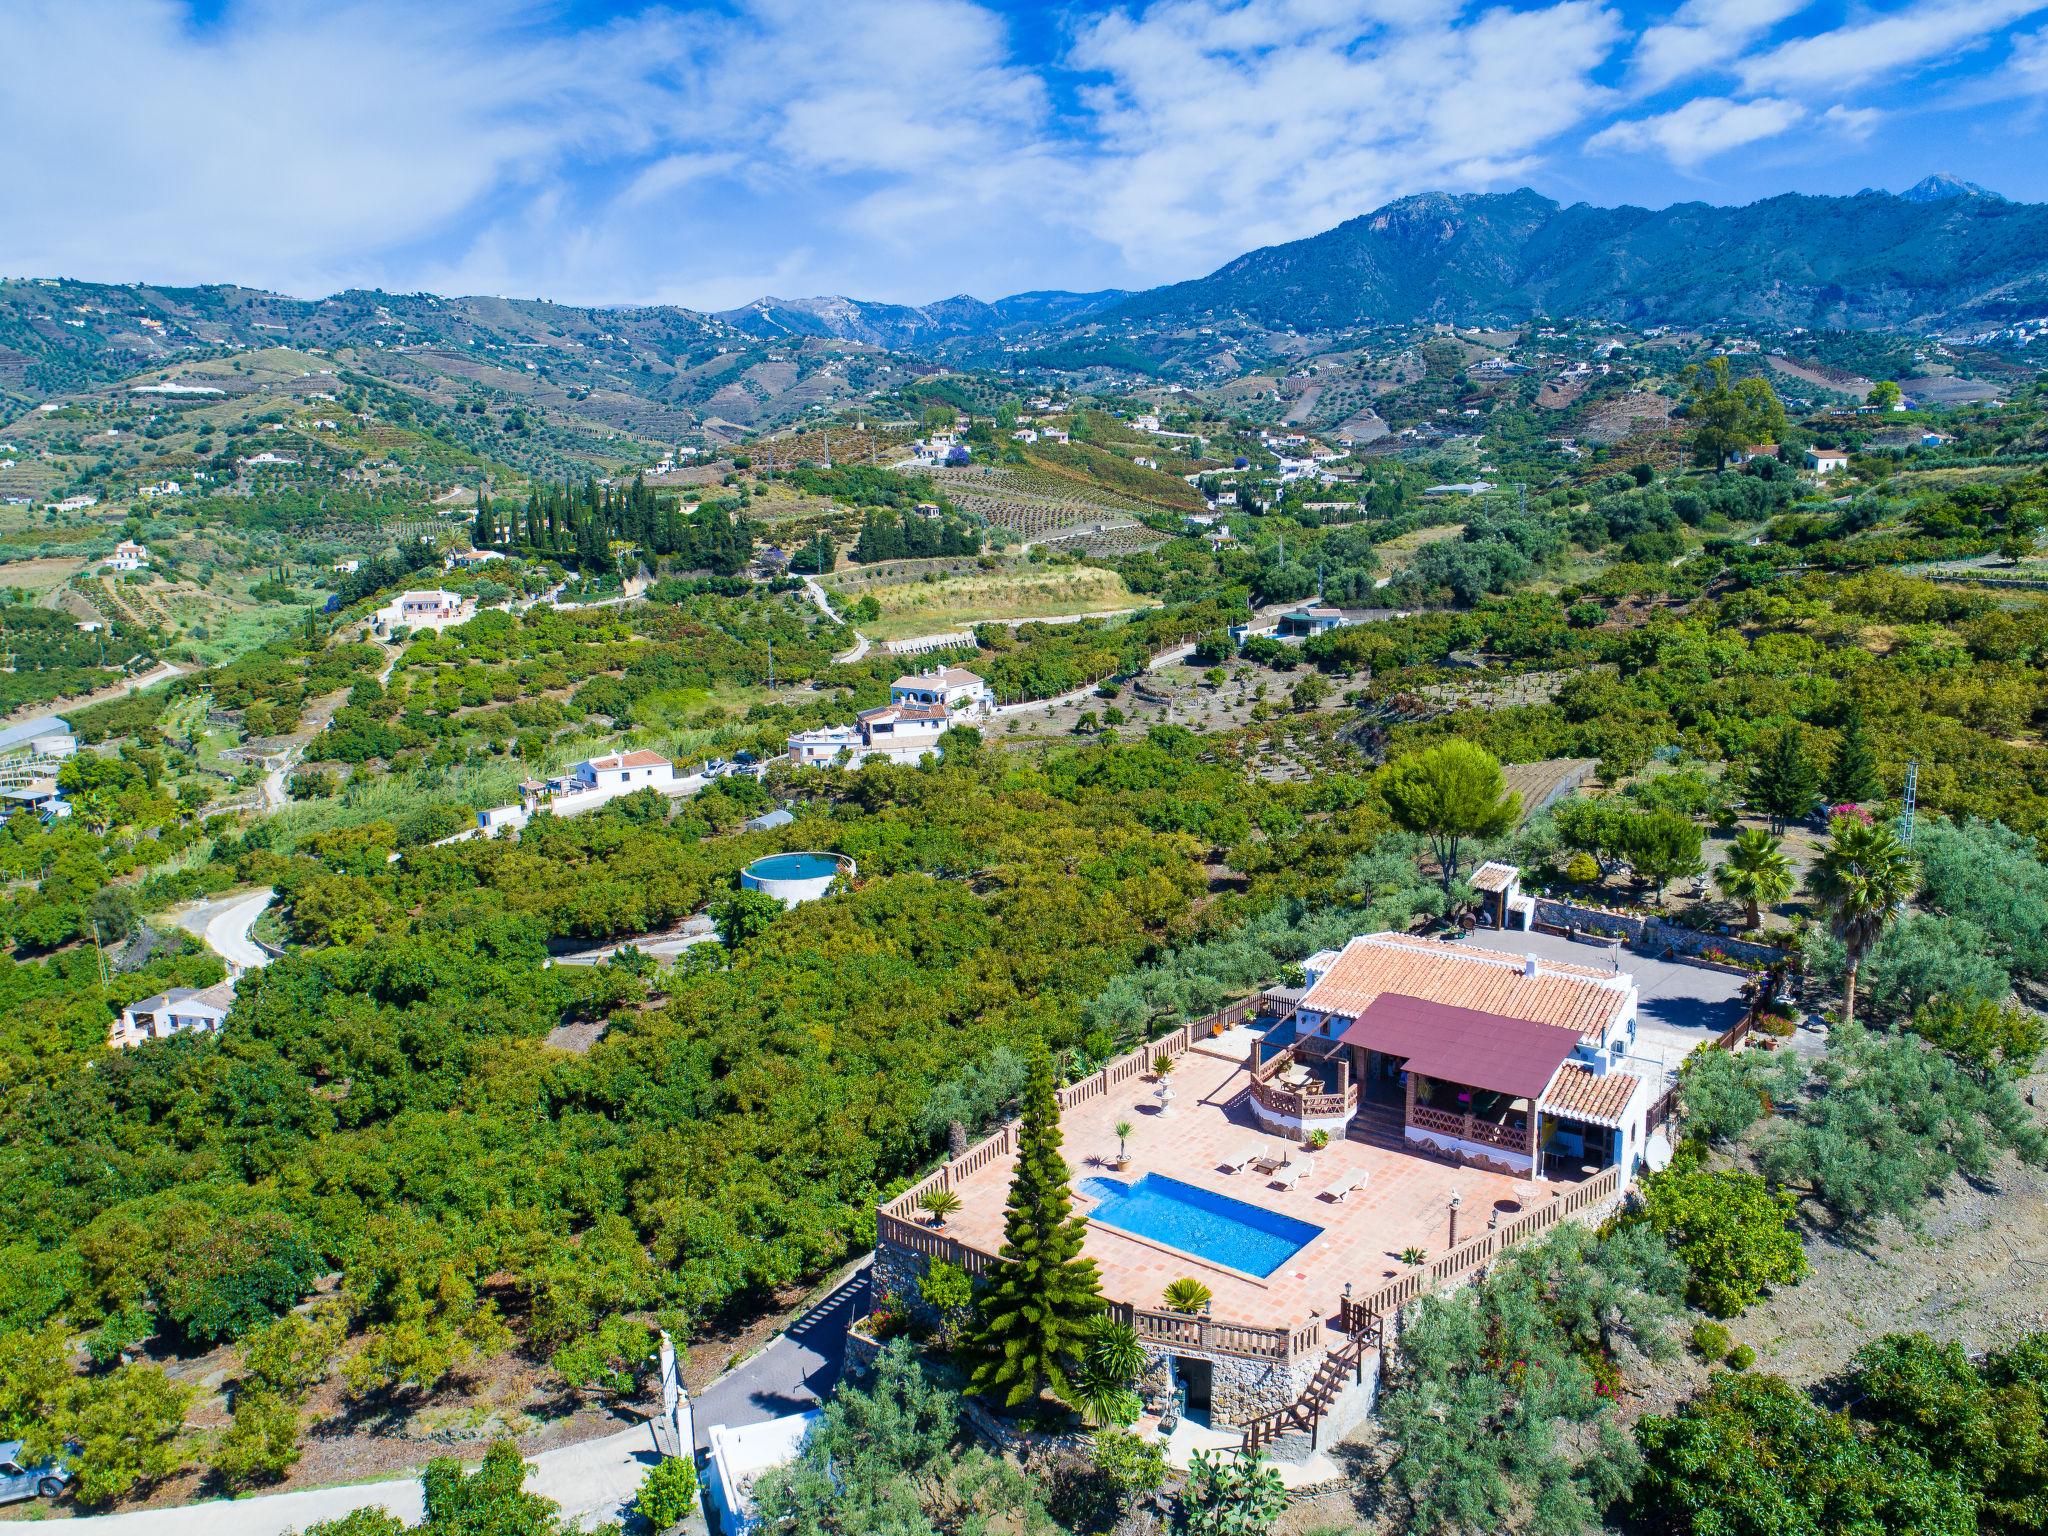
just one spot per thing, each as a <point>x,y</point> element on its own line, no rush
<point>1529,966</point>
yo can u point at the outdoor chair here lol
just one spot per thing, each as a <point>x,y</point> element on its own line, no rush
<point>1338,1190</point>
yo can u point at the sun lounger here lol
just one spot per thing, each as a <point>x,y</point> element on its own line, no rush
<point>1294,1173</point>
<point>1342,1187</point>
<point>1247,1155</point>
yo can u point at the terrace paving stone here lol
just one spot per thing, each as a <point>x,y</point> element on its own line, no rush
<point>1404,1202</point>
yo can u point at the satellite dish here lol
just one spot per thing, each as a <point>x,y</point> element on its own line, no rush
<point>1657,1151</point>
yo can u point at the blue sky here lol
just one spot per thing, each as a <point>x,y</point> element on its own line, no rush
<point>911,149</point>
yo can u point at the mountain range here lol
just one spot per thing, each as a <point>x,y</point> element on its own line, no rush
<point>912,328</point>
<point>1942,254</point>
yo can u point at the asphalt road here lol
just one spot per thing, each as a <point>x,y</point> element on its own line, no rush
<point>225,925</point>
<point>593,1481</point>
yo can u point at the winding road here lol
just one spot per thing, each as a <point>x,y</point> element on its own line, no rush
<point>224,926</point>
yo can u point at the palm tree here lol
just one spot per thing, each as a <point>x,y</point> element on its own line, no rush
<point>1756,872</point>
<point>1103,1391</point>
<point>1123,1131</point>
<point>1862,878</point>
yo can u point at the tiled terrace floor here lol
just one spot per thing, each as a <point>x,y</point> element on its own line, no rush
<point>1404,1202</point>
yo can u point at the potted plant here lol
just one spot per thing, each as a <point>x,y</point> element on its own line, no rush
<point>1162,1065</point>
<point>938,1204</point>
<point>1187,1296</point>
<point>1123,1131</point>
<point>1317,1139</point>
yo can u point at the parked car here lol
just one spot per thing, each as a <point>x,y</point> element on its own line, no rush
<point>20,1480</point>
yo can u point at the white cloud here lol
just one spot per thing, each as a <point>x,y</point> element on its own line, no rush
<point>1703,35</point>
<point>1853,123</point>
<point>890,148</point>
<point>1702,128</point>
<point>1219,126</point>
<point>290,140</point>
<point>1928,32</point>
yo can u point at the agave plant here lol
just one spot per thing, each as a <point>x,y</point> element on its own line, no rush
<point>1187,1295</point>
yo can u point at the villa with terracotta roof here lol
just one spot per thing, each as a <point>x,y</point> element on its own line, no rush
<point>1489,1058</point>
<point>1322,1154</point>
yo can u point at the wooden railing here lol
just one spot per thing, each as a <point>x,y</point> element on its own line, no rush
<point>1488,1133</point>
<point>1306,1412</point>
<point>898,1226</point>
<point>1301,1103</point>
<point>1181,1330</point>
<point>1470,1255</point>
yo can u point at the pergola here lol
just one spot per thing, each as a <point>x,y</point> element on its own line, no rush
<point>1476,1077</point>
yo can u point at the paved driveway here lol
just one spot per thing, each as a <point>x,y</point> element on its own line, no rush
<point>594,1480</point>
<point>1681,1007</point>
<point>796,1371</point>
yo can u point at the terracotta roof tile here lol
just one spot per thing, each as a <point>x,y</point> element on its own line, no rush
<point>1578,1093</point>
<point>1575,996</point>
<point>1493,877</point>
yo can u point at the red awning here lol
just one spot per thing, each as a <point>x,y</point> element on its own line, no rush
<point>1463,1045</point>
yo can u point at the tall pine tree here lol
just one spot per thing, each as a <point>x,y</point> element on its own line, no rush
<point>1043,1301</point>
<point>1784,782</point>
<point>1853,776</point>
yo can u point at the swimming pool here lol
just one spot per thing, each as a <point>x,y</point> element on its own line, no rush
<point>1210,1226</point>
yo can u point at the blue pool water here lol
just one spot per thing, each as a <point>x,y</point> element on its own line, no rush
<point>793,866</point>
<point>1198,1221</point>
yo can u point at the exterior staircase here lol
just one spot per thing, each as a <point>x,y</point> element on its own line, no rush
<point>1378,1125</point>
<point>1292,1433</point>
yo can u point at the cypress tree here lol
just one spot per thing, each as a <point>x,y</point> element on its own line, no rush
<point>1853,776</point>
<point>1042,1303</point>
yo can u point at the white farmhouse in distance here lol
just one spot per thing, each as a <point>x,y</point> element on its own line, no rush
<point>922,707</point>
<point>128,556</point>
<point>625,771</point>
<point>595,782</point>
<point>961,691</point>
<point>180,1011</point>
<point>433,609</point>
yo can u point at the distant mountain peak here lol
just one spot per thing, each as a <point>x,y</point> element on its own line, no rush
<point>1879,262</point>
<point>1941,186</point>
<point>906,327</point>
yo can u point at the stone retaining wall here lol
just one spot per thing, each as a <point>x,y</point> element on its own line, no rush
<point>1655,936</point>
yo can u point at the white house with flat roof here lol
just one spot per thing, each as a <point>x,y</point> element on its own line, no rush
<point>433,609</point>
<point>736,1457</point>
<point>960,691</point>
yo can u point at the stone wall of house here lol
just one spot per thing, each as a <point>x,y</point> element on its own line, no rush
<point>1654,936</point>
<point>1239,1390</point>
<point>895,1280</point>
